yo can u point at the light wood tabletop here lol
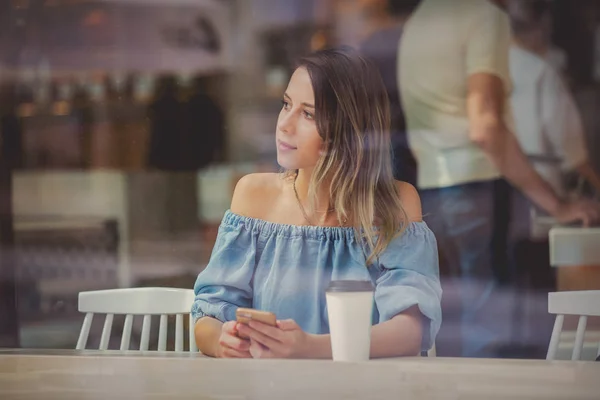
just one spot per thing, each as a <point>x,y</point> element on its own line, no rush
<point>574,246</point>
<point>70,374</point>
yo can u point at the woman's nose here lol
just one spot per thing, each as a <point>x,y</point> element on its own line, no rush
<point>286,122</point>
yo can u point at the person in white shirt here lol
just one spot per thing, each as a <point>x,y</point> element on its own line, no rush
<point>454,81</point>
<point>381,47</point>
<point>550,131</point>
<point>548,124</point>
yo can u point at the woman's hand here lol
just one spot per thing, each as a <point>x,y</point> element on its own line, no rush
<point>230,345</point>
<point>286,340</point>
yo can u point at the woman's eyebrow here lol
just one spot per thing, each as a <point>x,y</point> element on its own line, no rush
<point>287,96</point>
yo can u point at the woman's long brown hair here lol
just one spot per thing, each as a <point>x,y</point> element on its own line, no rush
<point>353,118</point>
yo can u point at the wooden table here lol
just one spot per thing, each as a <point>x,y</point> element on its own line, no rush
<point>66,374</point>
<point>575,252</point>
<point>574,246</point>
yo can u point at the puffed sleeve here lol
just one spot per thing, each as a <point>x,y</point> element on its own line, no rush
<point>226,282</point>
<point>409,276</point>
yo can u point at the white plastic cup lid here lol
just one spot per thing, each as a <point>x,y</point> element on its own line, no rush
<point>350,286</point>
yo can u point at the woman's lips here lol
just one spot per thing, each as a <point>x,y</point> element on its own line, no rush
<point>284,146</point>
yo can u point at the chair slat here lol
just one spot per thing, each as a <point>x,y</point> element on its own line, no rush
<point>162,333</point>
<point>193,346</point>
<point>583,304</point>
<point>179,332</point>
<point>85,331</point>
<point>555,339</point>
<point>432,352</point>
<point>145,340</point>
<point>126,337</point>
<point>579,336</point>
<point>105,338</point>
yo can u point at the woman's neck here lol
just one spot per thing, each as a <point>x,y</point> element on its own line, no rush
<point>302,184</point>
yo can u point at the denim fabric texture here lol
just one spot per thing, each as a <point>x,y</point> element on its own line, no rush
<point>286,269</point>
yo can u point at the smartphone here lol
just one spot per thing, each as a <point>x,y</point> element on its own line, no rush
<point>245,315</point>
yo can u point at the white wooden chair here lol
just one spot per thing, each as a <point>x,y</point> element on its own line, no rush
<point>585,303</point>
<point>138,301</point>
<point>432,352</point>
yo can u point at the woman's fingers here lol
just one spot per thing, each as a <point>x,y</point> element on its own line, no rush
<point>257,350</point>
<point>273,332</point>
<point>230,340</point>
<point>235,343</point>
<point>232,353</point>
<point>261,338</point>
<point>287,325</point>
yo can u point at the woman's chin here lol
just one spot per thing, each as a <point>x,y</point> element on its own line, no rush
<point>286,163</point>
<point>291,163</point>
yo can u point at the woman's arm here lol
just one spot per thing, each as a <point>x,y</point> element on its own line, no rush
<point>217,339</point>
<point>225,283</point>
<point>400,336</point>
<point>207,332</point>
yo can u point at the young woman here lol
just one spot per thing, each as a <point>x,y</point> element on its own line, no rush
<point>336,213</point>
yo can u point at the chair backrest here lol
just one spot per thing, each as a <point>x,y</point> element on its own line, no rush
<point>585,303</point>
<point>138,301</point>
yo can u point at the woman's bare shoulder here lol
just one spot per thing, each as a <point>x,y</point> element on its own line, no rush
<point>409,197</point>
<point>255,194</point>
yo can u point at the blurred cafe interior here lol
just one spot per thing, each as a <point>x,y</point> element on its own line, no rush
<point>126,124</point>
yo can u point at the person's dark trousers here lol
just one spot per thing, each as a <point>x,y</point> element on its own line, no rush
<point>529,261</point>
<point>476,312</point>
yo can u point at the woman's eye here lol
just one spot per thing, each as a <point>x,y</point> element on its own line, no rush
<point>308,115</point>
<point>286,105</point>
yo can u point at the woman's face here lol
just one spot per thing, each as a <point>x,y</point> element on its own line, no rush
<point>299,145</point>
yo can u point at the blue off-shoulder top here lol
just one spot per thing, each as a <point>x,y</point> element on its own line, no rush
<point>286,269</point>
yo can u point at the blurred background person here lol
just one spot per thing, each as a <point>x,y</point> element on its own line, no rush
<point>460,132</point>
<point>11,131</point>
<point>547,120</point>
<point>381,47</point>
<point>549,129</point>
<point>204,129</point>
<point>522,11</point>
<point>165,114</point>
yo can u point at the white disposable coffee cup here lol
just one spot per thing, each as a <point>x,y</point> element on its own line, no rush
<point>350,311</point>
